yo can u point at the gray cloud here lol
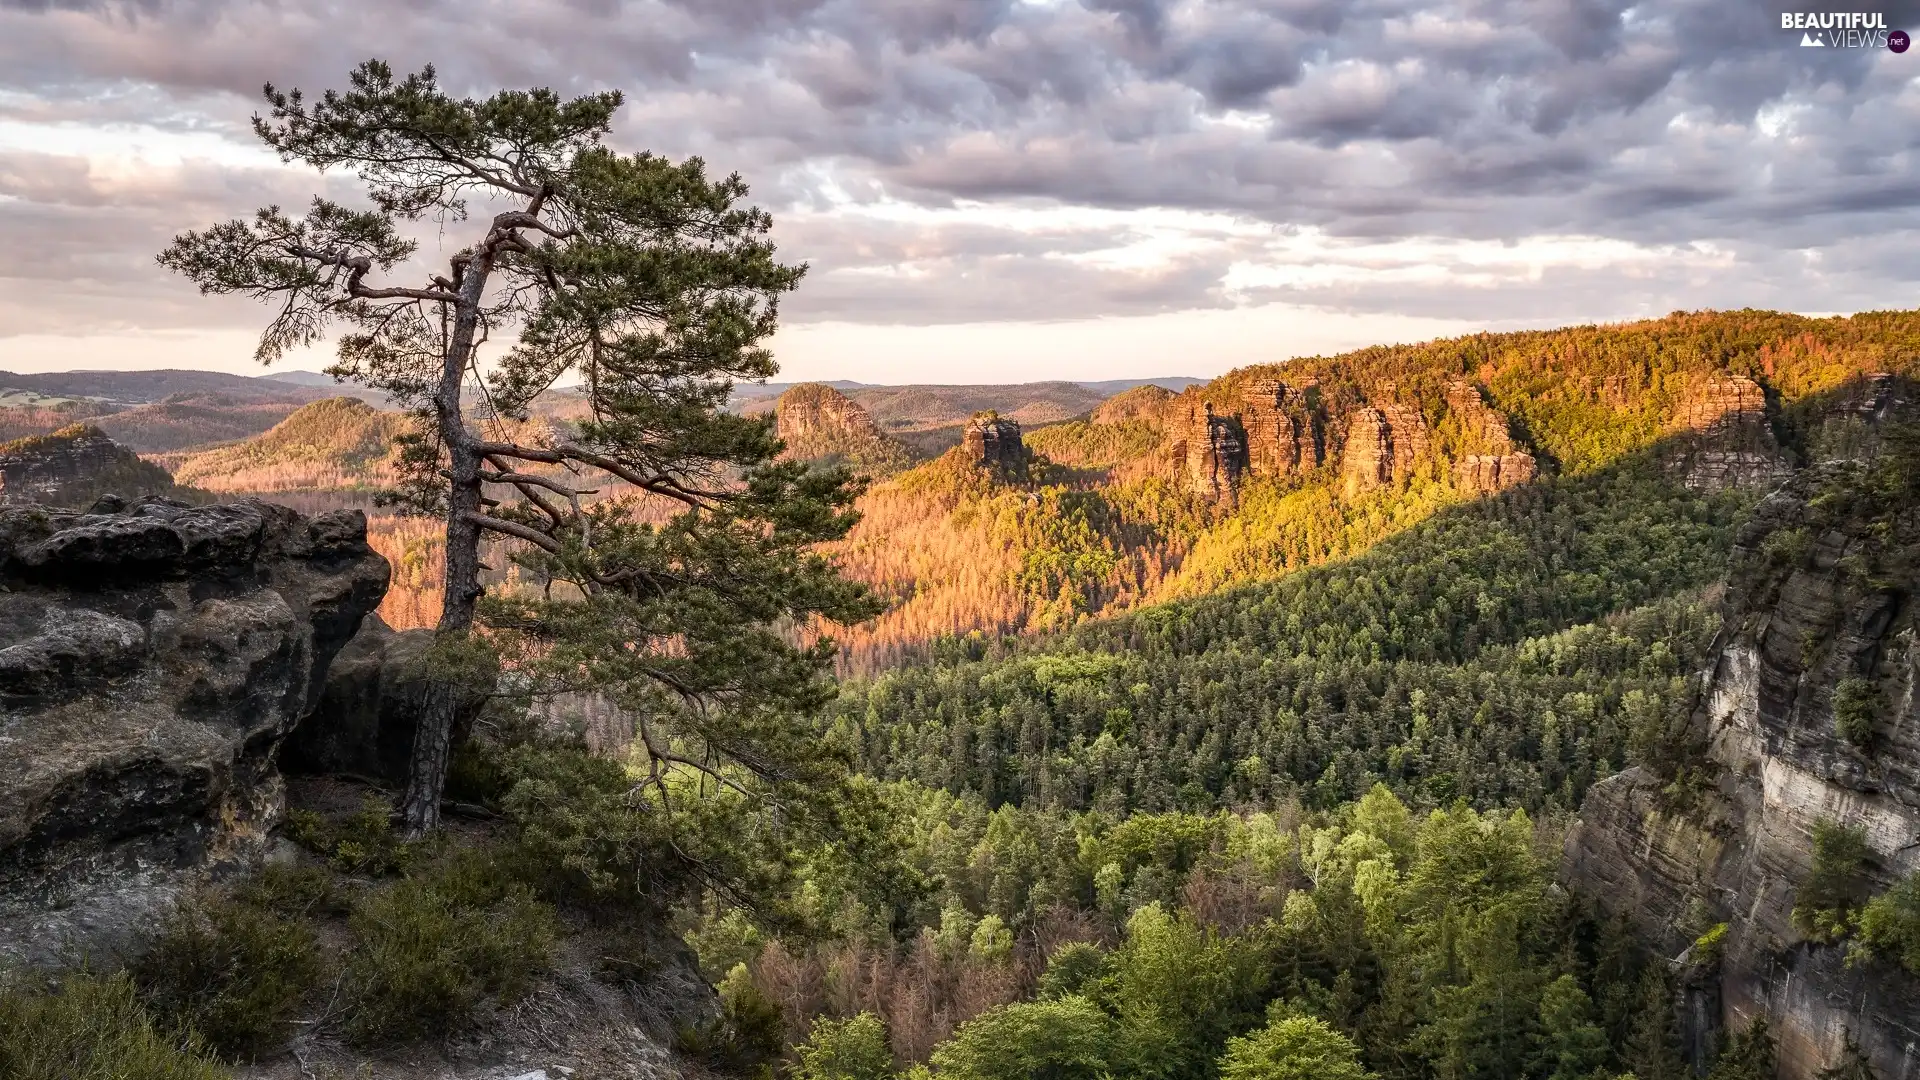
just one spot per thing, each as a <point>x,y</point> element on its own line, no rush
<point>1490,121</point>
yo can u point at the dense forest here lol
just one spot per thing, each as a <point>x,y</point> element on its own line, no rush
<point>1273,789</point>
<point>1103,525</point>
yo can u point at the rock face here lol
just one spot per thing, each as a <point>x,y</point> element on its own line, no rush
<point>71,467</point>
<point>993,442</point>
<point>1270,430</point>
<point>1493,462</point>
<point>1823,592</point>
<point>818,422</point>
<point>1382,443</point>
<point>151,660</point>
<point>368,708</point>
<point>1284,428</point>
<point>1735,445</point>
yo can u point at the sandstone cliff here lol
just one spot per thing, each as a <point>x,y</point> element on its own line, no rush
<point>1734,444</point>
<point>993,442</point>
<point>1821,595</point>
<point>818,422</point>
<point>72,467</point>
<point>151,660</point>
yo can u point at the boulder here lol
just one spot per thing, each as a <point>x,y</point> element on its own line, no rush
<point>152,658</point>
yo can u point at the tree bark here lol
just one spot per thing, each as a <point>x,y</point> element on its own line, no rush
<point>433,737</point>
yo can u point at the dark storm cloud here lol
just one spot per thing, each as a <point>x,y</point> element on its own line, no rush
<point>1364,120</point>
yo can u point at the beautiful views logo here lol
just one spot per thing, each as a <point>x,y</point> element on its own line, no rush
<point>1843,30</point>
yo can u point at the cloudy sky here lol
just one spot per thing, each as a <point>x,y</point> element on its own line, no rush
<point>991,190</point>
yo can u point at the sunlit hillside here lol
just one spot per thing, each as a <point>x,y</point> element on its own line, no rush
<point>958,552</point>
<point>331,445</point>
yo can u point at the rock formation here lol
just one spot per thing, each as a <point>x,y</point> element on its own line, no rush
<point>364,719</point>
<point>818,422</point>
<point>1492,460</point>
<point>72,466</point>
<point>1734,443</point>
<point>1284,428</point>
<point>1269,430</point>
<point>151,661</point>
<point>993,442</point>
<point>1382,443</point>
<point>1822,593</point>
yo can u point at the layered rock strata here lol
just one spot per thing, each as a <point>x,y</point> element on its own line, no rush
<point>1823,594</point>
<point>815,421</point>
<point>1734,443</point>
<point>991,441</point>
<point>73,465</point>
<point>1493,460</point>
<point>151,661</point>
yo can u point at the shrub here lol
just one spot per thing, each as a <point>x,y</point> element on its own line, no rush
<point>745,1038</point>
<point>1296,1048</point>
<point>92,1029</point>
<point>853,1049</point>
<point>1890,924</point>
<point>292,891</point>
<point>363,843</point>
<point>1708,946</point>
<point>1856,704</point>
<point>1065,1039</point>
<point>1824,906</point>
<point>434,946</point>
<point>232,972</point>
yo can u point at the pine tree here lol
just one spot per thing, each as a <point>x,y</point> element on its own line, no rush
<point>650,283</point>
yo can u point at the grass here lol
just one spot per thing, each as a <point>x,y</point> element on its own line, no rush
<point>92,1028</point>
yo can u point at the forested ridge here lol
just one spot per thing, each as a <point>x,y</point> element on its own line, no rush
<point>1494,652</point>
<point>1104,525</point>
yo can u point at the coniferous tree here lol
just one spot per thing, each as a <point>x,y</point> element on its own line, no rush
<point>650,283</point>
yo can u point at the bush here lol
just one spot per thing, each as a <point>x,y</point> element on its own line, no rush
<point>232,972</point>
<point>1065,1039</point>
<point>1890,924</point>
<point>853,1049</point>
<point>1856,705</point>
<point>92,1029</point>
<point>1296,1048</point>
<point>292,891</point>
<point>747,1036</point>
<point>363,843</point>
<point>434,946</point>
<point>1824,906</point>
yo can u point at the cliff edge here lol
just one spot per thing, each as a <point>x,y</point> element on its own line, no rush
<point>1807,730</point>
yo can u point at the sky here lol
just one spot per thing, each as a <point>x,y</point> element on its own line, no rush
<point>1006,190</point>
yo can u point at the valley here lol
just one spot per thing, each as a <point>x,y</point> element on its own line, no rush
<point>1361,693</point>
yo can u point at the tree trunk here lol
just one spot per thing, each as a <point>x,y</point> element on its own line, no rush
<point>433,737</point>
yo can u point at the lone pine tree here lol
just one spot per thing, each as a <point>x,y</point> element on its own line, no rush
<point>677,589</point>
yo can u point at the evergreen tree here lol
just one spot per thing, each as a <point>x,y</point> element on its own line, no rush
<point>653,285</point>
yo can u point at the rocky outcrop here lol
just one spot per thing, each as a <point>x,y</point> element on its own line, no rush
<point>1271,429</point>
<point>1492,461</point>
<point>73,466</point>
<point>817,422</point>
<point>1822,593</point>
<point>1284,428</point>
<point>993,442</point>
<point>1381,446</point>
<point>151,661</point>
<point>1733,443</point>
<point>363,723</point>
